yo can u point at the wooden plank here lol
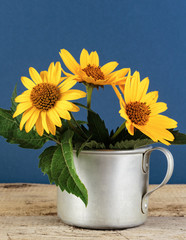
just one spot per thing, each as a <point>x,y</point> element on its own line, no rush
<point>51,228</point>
<point>40,199</point>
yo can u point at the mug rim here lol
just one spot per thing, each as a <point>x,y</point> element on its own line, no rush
<point>110,151</point>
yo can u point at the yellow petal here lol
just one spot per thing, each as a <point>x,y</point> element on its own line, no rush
<point>127,90</point>
<point>63,113</point>
<point>44,122</point>
<point>159,132</point>
<point>94,59</point>
<point>150,98</point>
<point>135,81</point>
<point>119,73</point>
<point>67,74</point>
<point>142,90</point>
<point>24,97</point>
<point>109,67</point>
<point>156,108</point>
<point>35,75</point>
<point>54,117</point>
<point>130,128</point>
<point>26,115</point>
<point>56,78</point>
<point>51,126</point>
<point>123,114</point>
<point>21,108</point>
<point>84,58</point>
<point>69,61</point>
<point>118,94</point>
<point>39,126</point>
<point>67,84</point>
<point>67,106</point>
<point>32,120</point>
<point>44,75</point>
<point>72,94</point>
<point>145,129</point>
<point>74,108</point>
<point>50,72</point>
<point>163,121</point>
<point>27,83</point>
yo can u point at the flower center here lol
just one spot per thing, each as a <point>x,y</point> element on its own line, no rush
<point>138,112</point>
<point>44,96</point>
<point>94,72</point>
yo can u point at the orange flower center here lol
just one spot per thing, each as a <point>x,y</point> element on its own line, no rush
<point>44,96</point>
<point>94,72</point>
<point>138,112</point>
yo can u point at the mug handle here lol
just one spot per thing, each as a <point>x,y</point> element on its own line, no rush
<point>170,167</point>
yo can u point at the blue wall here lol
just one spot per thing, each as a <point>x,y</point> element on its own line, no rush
<point>147,35</point>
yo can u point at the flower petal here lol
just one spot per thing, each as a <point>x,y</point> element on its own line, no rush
<point>109,67</point>
<point>63,113</point>
<point>57,73</point>
<point>27,83</point>
<point>26,115</point>
<point>24,97</point>
<point>84,58</point>
<point>54,117</point>
<point>127,90</point>
<point>39,126</point>
<point>135,82</point>
<point>67,106</point>
<point>163,121</point>
<point>94,59</point>
<point>67,84</point>
<point>51,126</point>
<point>21,108</point>
<point>119,73</point>
<point>118,94</point>
<point>32,120</point>
<point>142,90</point>
<point>44,76</point>
<point>69,61</point>
<point>156,108</point>
<point>130,128</point>
<point>72,94</point>
<point>35,75</point>
<point>44,122</point>
<point>150,98</point>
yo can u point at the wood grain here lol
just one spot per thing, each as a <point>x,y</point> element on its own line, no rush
<point>50,227</point>
<point>28,212</point>
<point>40,199</point>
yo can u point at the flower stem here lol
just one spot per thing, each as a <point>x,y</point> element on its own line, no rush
<point>118,130</point>
<point>89,95</point>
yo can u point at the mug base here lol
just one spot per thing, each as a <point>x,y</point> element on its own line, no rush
<point>100,226</point>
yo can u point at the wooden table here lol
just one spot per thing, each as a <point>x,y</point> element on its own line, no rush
<point>28,212</point>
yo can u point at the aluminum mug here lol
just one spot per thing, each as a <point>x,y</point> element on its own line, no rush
<point>117,184</point>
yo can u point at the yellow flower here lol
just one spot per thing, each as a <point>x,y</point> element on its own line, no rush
<point>141,110</point>
<point>46,100</point>
<point>89,70</point>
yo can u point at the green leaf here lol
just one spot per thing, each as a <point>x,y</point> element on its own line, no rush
<point>94,145</point>
<point>9,129</point>
<point>46,160</point>
<point>97,128</point>
<point>180,138</point>
<point>81,146</point>
<point>131,144</point>
<point>14,95</point>
<point>63,169</point>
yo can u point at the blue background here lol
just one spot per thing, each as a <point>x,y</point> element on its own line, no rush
<point>148,36</point>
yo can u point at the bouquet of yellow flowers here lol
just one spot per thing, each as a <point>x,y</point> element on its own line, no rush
<point>45,112</point>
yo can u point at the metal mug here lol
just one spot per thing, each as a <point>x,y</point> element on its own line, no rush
<point>117,184</point>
